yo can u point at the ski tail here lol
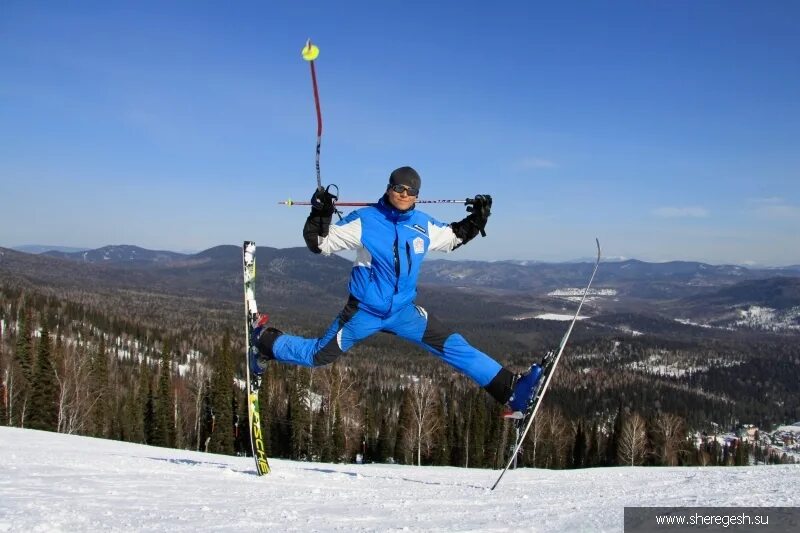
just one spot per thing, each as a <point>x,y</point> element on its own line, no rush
<point>550,364</point>
<point>253,382</point>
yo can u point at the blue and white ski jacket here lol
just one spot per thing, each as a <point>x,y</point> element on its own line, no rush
<point>390,246</point>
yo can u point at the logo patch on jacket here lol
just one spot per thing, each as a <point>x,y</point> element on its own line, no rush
<point>419,245</point>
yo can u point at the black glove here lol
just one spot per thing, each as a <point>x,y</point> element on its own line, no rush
<point>479,208</point>
<point>317,224</point>
<point>322,203</point>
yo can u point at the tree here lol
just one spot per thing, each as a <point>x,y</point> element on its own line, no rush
<point>272,403</point>
<point>338,438</point>
<point>370,429</point>
<point>44,393</point>
<point>441,454</point>
<point>222,437</point>
<point>323,447</point>
<point>4,370</point>
<point>404,446</point>
<point>593,452</point>
<point>557,440</point>
<point>533,439</point>
<point>476,433</point>
<point>100,390</point>
<point>298,413</point>
<point>386,441</point>
<point>164,406</point>
<point>741,454</point>
<point>422,423</point>
<point>612,447</point>
<point>633,441</point>
<point>146,402</point>
<point>74,402</point>
<point>579,448</point>
<point>670,432</point>
<point>21,370</point>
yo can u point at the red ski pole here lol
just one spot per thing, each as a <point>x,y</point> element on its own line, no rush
<point>364,204</point>
<point>310,53</point>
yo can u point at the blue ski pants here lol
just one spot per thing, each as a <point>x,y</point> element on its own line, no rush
<point>412,323</point>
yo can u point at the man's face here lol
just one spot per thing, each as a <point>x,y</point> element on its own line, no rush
<point>403,200</point>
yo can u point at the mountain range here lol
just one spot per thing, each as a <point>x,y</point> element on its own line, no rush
<point>719,295</point>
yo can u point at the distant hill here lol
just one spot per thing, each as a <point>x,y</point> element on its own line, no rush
<point>291,277</point>
<point>39,248</point>
<point>633,278</point>
<point>771,304</point>
<point>133,255</point>
<point>777,293</point>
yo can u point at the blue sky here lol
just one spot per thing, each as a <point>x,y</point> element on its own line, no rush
<point>669,129</point>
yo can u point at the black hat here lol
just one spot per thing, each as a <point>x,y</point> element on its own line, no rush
<point>405,176</point>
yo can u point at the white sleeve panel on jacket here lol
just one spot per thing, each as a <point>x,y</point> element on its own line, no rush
<point>346,236</point>
<point>442,237</point>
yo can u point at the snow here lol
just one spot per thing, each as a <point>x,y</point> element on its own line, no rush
<point>574,294</point>
<point>629,331</point>
<point>794,428</point>
<point>661,366</point>
<point>547,316</point>
<point>56,482</point>
<point>554,316</point>
<point>766,318</point>
<point>688,322</point>
<point>577,291</point>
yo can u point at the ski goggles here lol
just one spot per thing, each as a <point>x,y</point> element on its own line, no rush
<point>400,188</point>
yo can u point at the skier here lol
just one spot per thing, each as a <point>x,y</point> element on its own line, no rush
<point>391,239</point>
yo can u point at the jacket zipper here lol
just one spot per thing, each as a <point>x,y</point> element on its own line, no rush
<point>396,262</point>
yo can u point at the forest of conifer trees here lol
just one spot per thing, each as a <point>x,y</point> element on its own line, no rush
<point>71,368</point>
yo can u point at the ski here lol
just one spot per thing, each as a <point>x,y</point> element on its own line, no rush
<point>253,383</point>
<point>549,364</point>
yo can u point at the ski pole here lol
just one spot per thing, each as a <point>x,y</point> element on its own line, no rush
<point>364,204</point>
<point>310,53</point>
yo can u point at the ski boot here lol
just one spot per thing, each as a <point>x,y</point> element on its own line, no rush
<point>523,390</point>
<point>261,340</point>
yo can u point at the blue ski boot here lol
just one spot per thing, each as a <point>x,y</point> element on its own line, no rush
<point>261,340</point>
<point>524,388</point>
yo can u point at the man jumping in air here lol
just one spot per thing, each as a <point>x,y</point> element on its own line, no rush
<point>391,238</point>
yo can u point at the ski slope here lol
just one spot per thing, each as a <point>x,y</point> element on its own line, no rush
<point>53,482</point>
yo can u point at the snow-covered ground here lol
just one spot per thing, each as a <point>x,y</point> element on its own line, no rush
<point>766,318</point>
<point>55,482</point>
<point>757,317</point>
<point>574,294</point>
<point>659,365</point>
<point>558,317</point>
